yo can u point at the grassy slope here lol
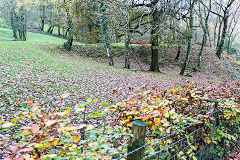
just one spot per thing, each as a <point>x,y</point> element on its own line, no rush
<point>43,71</point>
<point>6,34</point>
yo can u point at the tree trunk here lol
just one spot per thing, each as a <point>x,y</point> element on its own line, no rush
<point>127,40</point>
<point>14,23</point>
<point>104,26</point>
<point>59,30</point>
<point>116,36</point>
<point>209,37</point>
<point>127,61</point>
<point>204,40</point>
<point>189,48</point>
<point>219,32</point>
<point>20,34</point>
<point>178,53</point>
<point>68,45</point>
<point>204,24</point>
<point>229,45</point>
<point>154,42</point>
<point>42,8</point>
<point>51,31</point>
<point>15,35</point>
<point>50,27</point>
<point>224,31</point>
<point>42,25</point>
<point>215,33</point>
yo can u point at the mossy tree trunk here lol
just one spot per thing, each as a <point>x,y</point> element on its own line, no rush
<point>22,22</point>
<point>68,45</point>
<point>223,36</point>
<point>190,37</point>
<point>178,52</point>
<point>204,24</point>
<point>105,32</point>
<point>14,23</point>
<point>219,32</point>
<point>43,15</point>
<point>154,41</point>
<point>127,39</point>
<point>59,30</point>
<point>215,32</point>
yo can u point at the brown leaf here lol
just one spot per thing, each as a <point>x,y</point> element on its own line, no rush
<point>2,143</point>
<point>44,115</point>
<point>35,129</point>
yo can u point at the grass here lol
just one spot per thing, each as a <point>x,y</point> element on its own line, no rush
<point>6,34</point>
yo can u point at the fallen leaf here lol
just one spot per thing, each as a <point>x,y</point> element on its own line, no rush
<point>30,149</point>
<point>166,124</point>
<point>7,125</point>
<point>26,130</point>
<point>89,127</point>
<point>65,95</point>
<point>30,101</point>
<point>35,128</point>
<point>207,140</point>
<point>76,139</point>
<point>50,122</point>
<point>80,109</point>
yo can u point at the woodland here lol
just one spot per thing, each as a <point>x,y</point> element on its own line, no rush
<point>119,79</point>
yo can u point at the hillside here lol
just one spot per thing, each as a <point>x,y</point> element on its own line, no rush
<point>212,68</point>
<point>39,71</point>
<point>226,68</point>
<point>45,70</point>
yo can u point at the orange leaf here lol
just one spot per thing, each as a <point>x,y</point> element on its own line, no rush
<point>35,129</point>
<point>207,140</point>
<point>30,101</point>
<point>44,115</point>
<point>26,130</point>
<point>166,109</point>
<point>76,139</point>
